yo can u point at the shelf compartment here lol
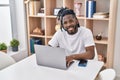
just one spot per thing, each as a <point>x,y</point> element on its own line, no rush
<point>69,3</point>
<point>47,40</point>
<point>103,41</point>
<point>50,6</point>
<point>50,26</point>
<point>38,40</point>
<point>36,23</point>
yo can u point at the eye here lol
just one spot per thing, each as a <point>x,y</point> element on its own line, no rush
<point>71,21</point>
<point>65,23</point>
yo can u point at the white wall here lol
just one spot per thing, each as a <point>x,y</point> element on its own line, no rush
<point>21,23</point>
<point>5,25</point>
<point>5,22</point>
<point>21,29</point>
<point>117,44</point>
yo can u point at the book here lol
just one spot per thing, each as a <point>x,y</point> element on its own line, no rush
<point>34,7</point>
<point>32,50</point>
<point>90,8</point>
<point>101,15</point>
<point>31,7</point>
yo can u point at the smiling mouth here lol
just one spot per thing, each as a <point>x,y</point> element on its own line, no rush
<point>72,29</point>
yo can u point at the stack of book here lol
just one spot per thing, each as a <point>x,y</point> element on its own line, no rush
<point>34,7</point>
<point>101,15</point>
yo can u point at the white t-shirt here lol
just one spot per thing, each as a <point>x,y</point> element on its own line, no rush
<point>73,44</point>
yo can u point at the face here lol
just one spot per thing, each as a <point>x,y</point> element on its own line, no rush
<point>70,24</point>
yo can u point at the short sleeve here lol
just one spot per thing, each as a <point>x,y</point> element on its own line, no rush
<point>88,39</point>
<point>54,41</point>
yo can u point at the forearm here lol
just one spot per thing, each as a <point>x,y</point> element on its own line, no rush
<point>86,55</point>
<point>89,54</point>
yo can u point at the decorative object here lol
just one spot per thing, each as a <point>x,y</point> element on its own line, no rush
<point>99,36</point>
<point>78,8</point>
<point>38,31</point>
<point>14,43</point>
<point>90,8</point>
<point>57,27</point>
<point>56,10</point>
<point>3,47</point>
<point>101,57</point>
<point>41,12</point>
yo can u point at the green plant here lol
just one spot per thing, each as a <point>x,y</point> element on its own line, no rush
<point>14,43</point>
<point>3,46</point>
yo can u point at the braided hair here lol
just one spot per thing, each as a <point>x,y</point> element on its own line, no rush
<point>60,12</point>
<point>67,12</point>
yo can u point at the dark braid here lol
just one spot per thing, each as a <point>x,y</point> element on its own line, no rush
<point>60,12</point>
<point>67,12</point>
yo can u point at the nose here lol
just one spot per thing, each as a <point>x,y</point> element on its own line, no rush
<point>68,25</point>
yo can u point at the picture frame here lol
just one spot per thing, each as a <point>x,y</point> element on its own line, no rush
<point>56,10</point>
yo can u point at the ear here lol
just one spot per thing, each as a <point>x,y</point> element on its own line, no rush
<point>77,22</point>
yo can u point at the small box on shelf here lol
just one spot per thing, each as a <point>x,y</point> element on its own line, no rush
<point>41,12</point>
<point>56,10</point>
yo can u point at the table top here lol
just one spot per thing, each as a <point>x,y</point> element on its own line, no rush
<point>28,69</point>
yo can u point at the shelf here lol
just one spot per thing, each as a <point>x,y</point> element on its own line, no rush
<point>36,16</point>
<point>81,17</point>
<point>34,35</point>
<point>98,19</point>
<point>103,41</point>
<point>49,36</point>
<point>51,16</point>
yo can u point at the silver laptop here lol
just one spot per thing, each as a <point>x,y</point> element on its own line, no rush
<point>50,56</point>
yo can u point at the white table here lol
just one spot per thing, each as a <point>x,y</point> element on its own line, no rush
<point>27,69</point>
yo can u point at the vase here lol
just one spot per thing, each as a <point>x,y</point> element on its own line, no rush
<point>77,7</point>
<point>14,49</point>
<point>99,36</point>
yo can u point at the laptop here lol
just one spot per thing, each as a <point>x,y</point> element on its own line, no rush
<point>51,56</point>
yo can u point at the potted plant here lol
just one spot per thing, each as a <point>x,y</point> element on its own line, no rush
<point>3,47</point>
<point>14,43</point>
